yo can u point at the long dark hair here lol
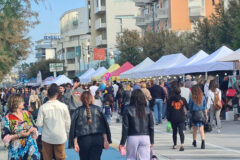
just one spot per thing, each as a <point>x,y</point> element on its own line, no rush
<point>197,95</point>
<point>138,100</point>
<point>87,100</point>
<point>213,85</point>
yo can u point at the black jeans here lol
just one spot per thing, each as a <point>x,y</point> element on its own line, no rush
<point>91,147</point>
<point>179,127</point>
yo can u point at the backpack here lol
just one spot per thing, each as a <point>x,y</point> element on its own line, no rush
<point>217,104</point>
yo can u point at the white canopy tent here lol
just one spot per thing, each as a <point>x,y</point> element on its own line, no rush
<point>179,69</point>
<point>235,56</point>
<point>211,63</point>
<point>130,73</point>
<point>98,72</point>
<point>84,78</point>
<point>158,68</point>
<point>61,79</point>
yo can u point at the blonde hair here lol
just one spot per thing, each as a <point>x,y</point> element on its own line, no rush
<point>143,85</point>
<point>14,101</point>
<point>128,87</point>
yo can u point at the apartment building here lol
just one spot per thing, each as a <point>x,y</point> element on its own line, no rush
<point>108,19</point>
<point>175,15</point>
<point>46,47</point>
<point>73,47</point>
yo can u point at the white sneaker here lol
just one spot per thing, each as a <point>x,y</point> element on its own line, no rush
<point>218,131</point>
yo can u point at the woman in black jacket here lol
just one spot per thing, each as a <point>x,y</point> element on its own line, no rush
<point>137,127</point>
<point>89,132</point>
<point>176,114</point>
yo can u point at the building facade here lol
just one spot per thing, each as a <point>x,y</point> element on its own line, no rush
<point>175,15</point>
<point>108,19</point>
<point>74,46</point>
<point>46,47</point>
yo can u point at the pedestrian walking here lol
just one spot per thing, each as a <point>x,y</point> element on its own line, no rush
<point>158,95</point>
<point>94,88</point>
<point>54,119</point>
<point>137,128</point>
<point>164,108</point>
<point>126,96</point>
<point>19,132</point>
<point>176,115</point>
<point>198,110</point>
<point>89,132</point>
<point>214,94</point>
<point>73,96</point>
<point>146,92</point>
<point>34,100</point>
<point>26,97</point>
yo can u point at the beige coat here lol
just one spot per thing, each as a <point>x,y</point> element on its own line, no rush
<point>147,94</point>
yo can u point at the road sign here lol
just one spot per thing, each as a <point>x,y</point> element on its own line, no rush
<point>56,67</point>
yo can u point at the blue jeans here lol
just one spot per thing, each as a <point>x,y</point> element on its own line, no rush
<point>164,110</point>
<point>108,117</point>
<point>158,110</point>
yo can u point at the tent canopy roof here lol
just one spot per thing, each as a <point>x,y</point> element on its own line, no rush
<point>164,62</point>
<point>126,66</point>
<point>130,73</point>
<point>211,63</point>
<point>219,53</point>
<point>88,72</point>
<point>175,70</point>
<point>235,56</point>
<point>61,79</point>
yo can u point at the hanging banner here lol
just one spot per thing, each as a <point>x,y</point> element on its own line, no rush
<point>99,53</point>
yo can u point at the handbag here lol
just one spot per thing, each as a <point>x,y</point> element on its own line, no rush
<point>198,116</point>
<point>153,155</point>
<point>231,92</point>
<point>207,127</point>
<point>169,127</point>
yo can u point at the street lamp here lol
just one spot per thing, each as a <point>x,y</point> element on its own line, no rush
<point>152,4</point>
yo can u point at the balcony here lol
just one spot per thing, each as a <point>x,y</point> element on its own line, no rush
<point>141,3</point>
<point>100,41</point>
<point>100,9</point>
<point>162,13</point>
<point>99,24</point>
<point>148,19</point>
<point>196,12</point>
<point>140,22</point>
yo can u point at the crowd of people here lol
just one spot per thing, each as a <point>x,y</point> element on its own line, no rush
<point>37,121</point>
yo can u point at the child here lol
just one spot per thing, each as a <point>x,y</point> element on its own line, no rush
<point>107,109</point>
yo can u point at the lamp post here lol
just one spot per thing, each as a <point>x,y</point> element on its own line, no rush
<point>152,4</point>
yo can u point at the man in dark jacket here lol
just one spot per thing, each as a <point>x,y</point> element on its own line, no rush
<point>158,95</point>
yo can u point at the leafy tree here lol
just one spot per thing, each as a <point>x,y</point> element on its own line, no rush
<point>155,45</point>
<point>42,66</point>
<point>129,45</point>
<point>16,18</point>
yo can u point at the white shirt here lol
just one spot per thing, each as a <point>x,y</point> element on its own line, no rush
<point>211,97</point>
<point>206,88</point>
<point>93,90</point>
<point>115,87</point>
<point>54,118</point>
<point>185,93</point>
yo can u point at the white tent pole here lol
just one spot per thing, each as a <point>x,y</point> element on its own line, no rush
<point>206,75</point>
<point>183,78</point>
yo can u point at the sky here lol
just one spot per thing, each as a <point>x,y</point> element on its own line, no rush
<point>49,15</point>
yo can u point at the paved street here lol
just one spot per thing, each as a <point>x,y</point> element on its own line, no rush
<point>218,146</point>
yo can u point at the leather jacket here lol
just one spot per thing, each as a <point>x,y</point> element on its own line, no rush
<point>133,126</point>
<point>80,127</point>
